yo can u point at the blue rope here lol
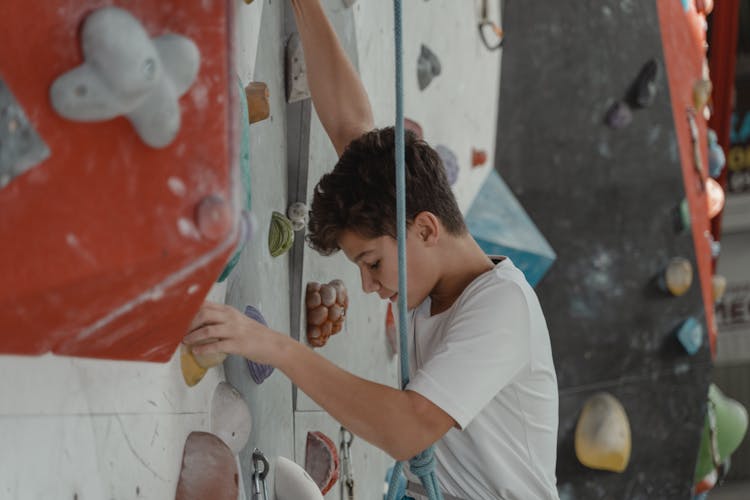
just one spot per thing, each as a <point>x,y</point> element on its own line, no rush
<point>423,465</point>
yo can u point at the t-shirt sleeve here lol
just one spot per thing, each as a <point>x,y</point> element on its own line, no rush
<point>485,346</point>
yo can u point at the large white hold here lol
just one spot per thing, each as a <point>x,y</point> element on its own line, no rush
<point>230,417</point>
<point>127,73</point>
<point>292,482</point>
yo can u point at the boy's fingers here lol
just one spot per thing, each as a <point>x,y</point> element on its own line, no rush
<point>221,346</point>
<point>205,316</point>
<point>201,334</point>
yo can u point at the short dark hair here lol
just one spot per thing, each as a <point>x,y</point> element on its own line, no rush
<point>359,195</point>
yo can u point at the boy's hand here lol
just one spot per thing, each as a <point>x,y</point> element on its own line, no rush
<point>221,328</point>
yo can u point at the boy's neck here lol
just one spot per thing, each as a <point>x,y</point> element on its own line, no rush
<point>462,262</point>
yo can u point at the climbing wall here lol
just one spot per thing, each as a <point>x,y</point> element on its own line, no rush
<point>606,199</point>
<point>118,429</point>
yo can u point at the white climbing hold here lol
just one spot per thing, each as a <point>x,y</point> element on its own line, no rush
<point>127,73</point>
<point>230,417</point>
<point>292,482</point>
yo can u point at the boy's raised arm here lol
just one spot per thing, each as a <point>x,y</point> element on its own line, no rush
<point>337,92</point>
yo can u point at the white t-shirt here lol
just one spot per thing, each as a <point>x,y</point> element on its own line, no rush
<point>487,362</point>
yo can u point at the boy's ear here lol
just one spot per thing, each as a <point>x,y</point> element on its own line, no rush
<point>427,227</point>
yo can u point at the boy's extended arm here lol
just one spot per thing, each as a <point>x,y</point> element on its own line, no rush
<point>402,423</point>
<point>337,92</point>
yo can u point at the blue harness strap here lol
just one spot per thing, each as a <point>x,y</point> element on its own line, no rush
<point>423,465</point>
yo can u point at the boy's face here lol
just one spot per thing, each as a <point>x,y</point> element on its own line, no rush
<point>377,259</point>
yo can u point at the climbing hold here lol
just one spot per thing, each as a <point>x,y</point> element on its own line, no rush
<point>697,157</point>
<point>714,245</point>
<point>701,93</point>
<point>297,213</point>
<point>478,157</point>
<point>602,436</point>
<point>682,216</point>
<point>428,67</point>
<point>192,372</point>
<point>677,276</point>
<point>618,115</point>
<point>127,73</point>
<point>248,223</point>
<point>21,147</point>
<point>213,217</point>
<point>297,88</point>
<point>704,7</point>
<point>644,88</point>
<point>450,163</point>
<point>718,286</point>
<point>258,105</point>
<point>248,2</point>
<point>326,306</point>
<point>194,366</point>
<point>230,417</point>
<point>259,372</point>
<point>321,460</point>
<point>706,484</point>
<point>390,330</point>
<point>690,335</point>
<point>494,212</point>
<point>715,197</point>
<point>280,234</point>
<point>292,482</point>
<point>414,127</point>
<point>248,228</point>
<point>349,3</point>
<point>209,469</point>
<point>716,157</point>
<point>723,431</point>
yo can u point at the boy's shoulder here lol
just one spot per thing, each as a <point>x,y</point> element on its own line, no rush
<point>496,286</point>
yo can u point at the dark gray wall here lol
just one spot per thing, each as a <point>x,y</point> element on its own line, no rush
<point>605,200</point>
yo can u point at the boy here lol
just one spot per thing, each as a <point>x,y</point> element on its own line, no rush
<point>483,388</point>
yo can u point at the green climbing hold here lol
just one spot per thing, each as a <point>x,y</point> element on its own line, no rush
<point>245,176</point>
<point>723,431</point>
<point>280,234</point>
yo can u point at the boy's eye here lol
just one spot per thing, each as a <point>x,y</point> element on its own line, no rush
<point>375,265</point>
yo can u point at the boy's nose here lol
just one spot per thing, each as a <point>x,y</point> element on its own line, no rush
<point>369,285</point>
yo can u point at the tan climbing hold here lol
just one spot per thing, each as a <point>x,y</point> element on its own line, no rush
<point>718,286</point>
<point>602,439</point>
<point>678,276</point>
<point>258,104</point>
<point>326,310</point>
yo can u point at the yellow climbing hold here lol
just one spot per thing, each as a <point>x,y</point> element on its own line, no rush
<point>602,439</point>
<point>194,367</point>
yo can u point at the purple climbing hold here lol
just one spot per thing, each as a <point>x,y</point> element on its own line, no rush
<point>450,163</point>
<point>259,372</point>
<point>619,115</point>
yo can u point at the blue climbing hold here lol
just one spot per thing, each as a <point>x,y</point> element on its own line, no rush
<point>690,335</point>
<point>716,157</point>
<point>501,226</point>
